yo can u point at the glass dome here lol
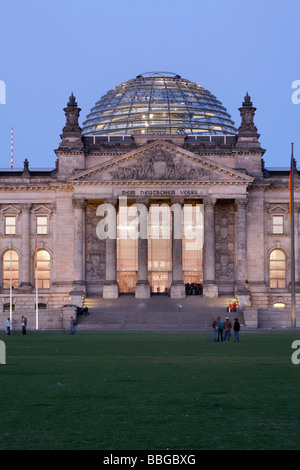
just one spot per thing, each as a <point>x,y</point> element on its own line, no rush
<point>158,103</point>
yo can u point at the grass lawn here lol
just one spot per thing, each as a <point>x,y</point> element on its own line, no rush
<point>130,391</point>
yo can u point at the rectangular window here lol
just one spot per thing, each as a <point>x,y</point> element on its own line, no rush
<point>6,308</point>
<point>10,225</point>
<point>41,225</point>
<point>278,224</point>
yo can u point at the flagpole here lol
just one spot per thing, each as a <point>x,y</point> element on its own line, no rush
<point>293,297</point>
<point>10,285</point>
<point>12,148</point>
<point>36,290</point>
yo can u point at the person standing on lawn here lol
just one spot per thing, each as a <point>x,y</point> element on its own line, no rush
<point>72,324</point>
<point>236,329</point>
<point>215,330</point>
<point>24,324</point>
<point>220,329</point>
<point>8,327</point>
<point>227,328</point>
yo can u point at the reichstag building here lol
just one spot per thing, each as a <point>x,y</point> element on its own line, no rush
<point>163,151</point>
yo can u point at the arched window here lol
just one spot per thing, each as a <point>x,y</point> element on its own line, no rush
<point>277,269</point>
<point>42,272</point>
<point>10,269</point>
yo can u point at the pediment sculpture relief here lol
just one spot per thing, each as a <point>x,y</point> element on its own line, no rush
<point>159,165</point>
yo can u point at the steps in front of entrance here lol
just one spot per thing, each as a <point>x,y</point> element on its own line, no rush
<point>157,313</point>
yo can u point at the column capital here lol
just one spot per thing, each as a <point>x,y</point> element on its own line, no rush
<point>112,200</point>
<point>143,200</point>
<point>79,203</point>
<point>25,206</point>
<point>209,201</point>
<point>177,200</point>
<point>241,203</point>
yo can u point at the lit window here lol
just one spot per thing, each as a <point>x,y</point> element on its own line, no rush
<point>278,224</point>
<point>10,269</point>
<point>10,225</point>
<point>41,225</point>
<point>277,269</point>
<point>42,270</point>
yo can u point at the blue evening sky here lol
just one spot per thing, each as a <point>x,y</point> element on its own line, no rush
<point>50,48</point>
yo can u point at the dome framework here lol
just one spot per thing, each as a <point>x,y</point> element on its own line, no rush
<point>158,103</point>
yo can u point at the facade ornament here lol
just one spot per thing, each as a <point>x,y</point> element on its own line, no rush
<point>72,114</point>
<point>71,135</point>
<point>26,168</point>
<point>159,165</point>
<point>225,241</point>
<point>95,248</point>
<point>247,111</point>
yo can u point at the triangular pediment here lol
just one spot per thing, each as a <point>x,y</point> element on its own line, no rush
<point>160,161</point>
<point>10,210</point>
<point>278,209</point>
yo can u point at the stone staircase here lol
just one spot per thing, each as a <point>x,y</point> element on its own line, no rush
<point>157,313</point>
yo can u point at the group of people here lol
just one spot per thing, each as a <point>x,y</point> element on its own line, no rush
<point>193,289</point>
<point>83,311</point>
<point>23,325</point>
<point>231,307</point>
<point>222,329</point>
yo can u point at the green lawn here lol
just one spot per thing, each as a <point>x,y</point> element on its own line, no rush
<point>124,390</point>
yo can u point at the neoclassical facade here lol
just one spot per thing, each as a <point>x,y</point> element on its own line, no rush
<point>173,157</point>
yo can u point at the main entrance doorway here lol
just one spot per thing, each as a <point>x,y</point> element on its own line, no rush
<point>127,281</point>
<point>127,252</point>
<point>160,281</point>
<point>160,241</point>
<point>159,248</point>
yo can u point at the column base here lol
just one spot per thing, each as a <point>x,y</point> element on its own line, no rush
<point>242,294</point>
<point>210,290</point>
<point>110,290</point>
<point>77,294</point>
<point>142,290</point>
<point>177,290</point>
<point>243,300</point>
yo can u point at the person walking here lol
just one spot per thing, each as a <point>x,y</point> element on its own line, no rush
<point>227,329</point>
<point>236,329</point>
<point>24,325</point>
<point>220,329</point>
<point>8,327</point>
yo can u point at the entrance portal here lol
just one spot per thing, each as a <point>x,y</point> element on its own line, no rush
<point>159,282</point>
<point>127,281</point>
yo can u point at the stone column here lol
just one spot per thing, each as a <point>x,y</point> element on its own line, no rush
<point>241,250</point>
<point>177,286</point>
<point>110,287</point>
<point>79,251</point>
<point>142,288</point>
<point>210,289</point>
<point>25,247</point>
